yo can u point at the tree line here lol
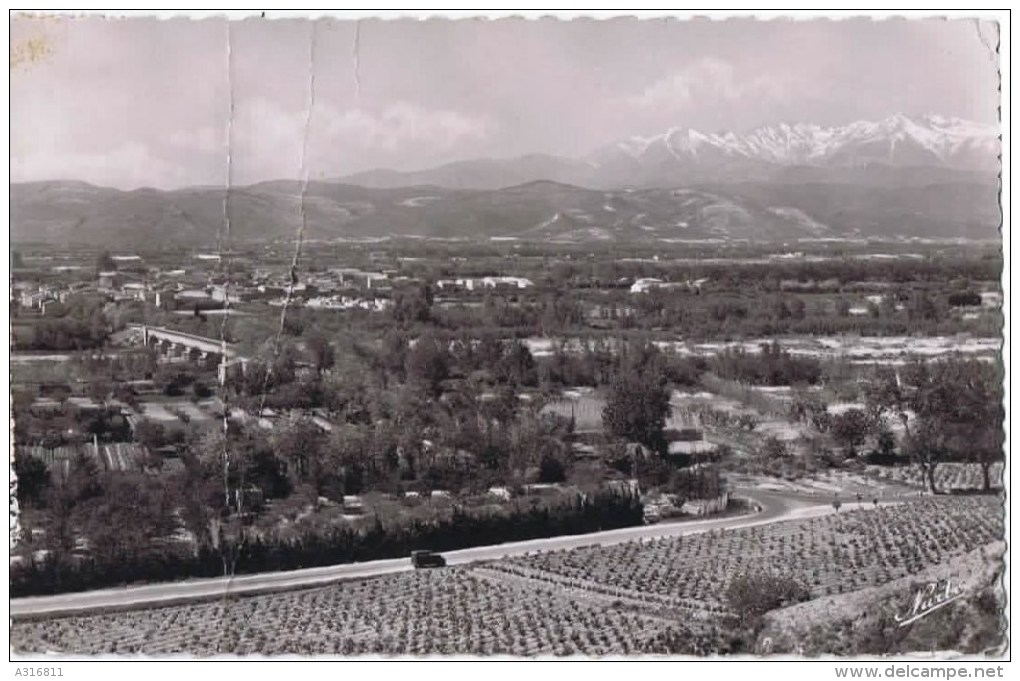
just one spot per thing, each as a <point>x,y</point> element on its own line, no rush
<point>129,558</point>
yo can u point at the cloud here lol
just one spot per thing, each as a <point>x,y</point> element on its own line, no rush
<point>704,82</point>
<point>128,165</point>
<point>207,139</point>
<point>402,124</point>
<point>268,141</point>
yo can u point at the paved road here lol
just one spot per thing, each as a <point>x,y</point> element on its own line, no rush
<point>775,507</point>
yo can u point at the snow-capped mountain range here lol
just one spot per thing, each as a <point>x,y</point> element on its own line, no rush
<point>897,140</point>
<point>899,148</point>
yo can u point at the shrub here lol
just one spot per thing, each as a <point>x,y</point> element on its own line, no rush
<point>551,470</point>
<point>964,299</point>
<point>752,595</point>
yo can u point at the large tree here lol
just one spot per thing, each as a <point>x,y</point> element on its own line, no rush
<point>428,364</point>
<point>950,410</point>
<point>299,445</point>
<point>123,522</point>
<point>66,498</point>
<point>851,428</point>
<point>636,410</point>
<point>33,478</point>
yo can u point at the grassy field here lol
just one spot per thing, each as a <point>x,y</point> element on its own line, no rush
<point>623,599</point>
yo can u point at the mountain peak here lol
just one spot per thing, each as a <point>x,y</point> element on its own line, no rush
<point>541,185</point>
<point>898,140</point>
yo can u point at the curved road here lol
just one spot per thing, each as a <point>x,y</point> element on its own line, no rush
<point>775,507</point>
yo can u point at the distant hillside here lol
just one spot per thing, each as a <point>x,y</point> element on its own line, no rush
<point>926,176</point>
<point>481,174</point>
<point>72,212</point>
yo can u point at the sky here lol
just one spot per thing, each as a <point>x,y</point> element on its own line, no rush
<point>169,103</point>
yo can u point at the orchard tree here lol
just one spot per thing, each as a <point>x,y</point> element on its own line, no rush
<point>391,357</point>
<point>922,307</point>
<point>808,408</point>
<point>412,304</point>
<point>322,354</point>
<point>105,262</point>
<point>300,445</point>
<point>551,469</point>
<point>747,421</point>
<point>885,444</point>
<point>517,366</point>
<point>798,309</point>
<point>774,449</point>
<point>150,434</point>
<point>842,307</point>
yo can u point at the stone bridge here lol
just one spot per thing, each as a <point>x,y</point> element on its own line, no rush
<point>207,352</point>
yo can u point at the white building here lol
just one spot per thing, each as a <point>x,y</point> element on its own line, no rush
<point>471,284</point>
<point>645,285</point>
<point>348,303</point>
<point>508,282</point>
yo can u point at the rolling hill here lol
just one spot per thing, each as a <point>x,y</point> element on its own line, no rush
<point>74,212</point>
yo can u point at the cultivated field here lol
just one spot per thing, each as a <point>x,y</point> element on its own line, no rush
<point>888,350</point>
<point>585,408</point>
<point>457,611</point>
<point>628,598</point>
<point>842,484</point>
<point>829,554</point>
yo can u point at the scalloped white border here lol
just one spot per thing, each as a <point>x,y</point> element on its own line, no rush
<point>450,668</point>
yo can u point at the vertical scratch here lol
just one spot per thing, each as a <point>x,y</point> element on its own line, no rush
<point>226,228</point>
<point>308,123</point>
<point>224,236</point>
<point>219,252</point>
<point>992,49</point>
<point>292,279</point>
<point>357,59</point>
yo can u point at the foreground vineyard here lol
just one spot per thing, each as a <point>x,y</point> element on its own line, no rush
<point>830,554</point>
<point>441,612</point>
<point>642,597</point>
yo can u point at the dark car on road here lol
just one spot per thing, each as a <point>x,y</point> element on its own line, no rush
<point>427,559</point>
